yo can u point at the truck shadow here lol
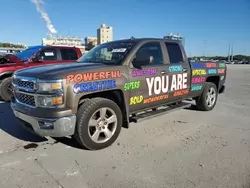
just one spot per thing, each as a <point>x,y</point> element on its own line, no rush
<point>11,125</point>
<point>69,142</point>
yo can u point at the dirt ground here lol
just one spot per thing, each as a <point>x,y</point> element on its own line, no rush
<point>183,149</point>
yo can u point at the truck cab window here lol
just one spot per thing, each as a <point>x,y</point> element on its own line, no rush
<point>174,52</point>
<point>150,54</point>
<point>48,55</point>
<point>69,54</point>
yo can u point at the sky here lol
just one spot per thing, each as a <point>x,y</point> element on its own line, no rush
<point>209,26</point>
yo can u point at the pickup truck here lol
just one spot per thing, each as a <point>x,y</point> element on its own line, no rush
<point>33,56</point>
<point>112,85</point>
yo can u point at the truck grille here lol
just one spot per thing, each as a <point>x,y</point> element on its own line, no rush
<point>25,99</point>
<point>24,84</point>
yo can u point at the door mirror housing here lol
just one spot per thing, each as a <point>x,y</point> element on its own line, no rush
<point>37,59</point>
<point>138,63</point>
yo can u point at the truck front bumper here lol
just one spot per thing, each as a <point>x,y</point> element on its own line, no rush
<point>53,127</point>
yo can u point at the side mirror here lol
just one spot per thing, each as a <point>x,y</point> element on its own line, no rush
<point>139,63</point>
<point>37,59</point>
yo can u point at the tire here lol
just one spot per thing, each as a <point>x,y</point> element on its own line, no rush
<point>202,103</point>
<point>5,92</point>
<point>83,132</point>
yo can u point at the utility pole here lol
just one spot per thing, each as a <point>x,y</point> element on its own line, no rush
<point>229,56</point>
<point>232,51</point>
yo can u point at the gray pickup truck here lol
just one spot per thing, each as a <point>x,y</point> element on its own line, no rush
<point>112,85</point>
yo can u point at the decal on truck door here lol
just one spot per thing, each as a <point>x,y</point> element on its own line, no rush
<point>160,84</point>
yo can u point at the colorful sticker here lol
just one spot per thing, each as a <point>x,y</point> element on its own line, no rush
<point>136,100</point>
<point>94,86</point>
<point>157,85</point>
<point>199,72</point>
<point>196,87</point>
<point>181,92</point>
<point>132,85</point>
<point>92,76</point>
<point>221,71</point>
<point>144,72</point>
<point>154,99</point>
<point>211,65</point>
<point>212,71</point>
<point>197,65</point>
<point>176,68</point>
<point>222,65</point>
<point>198,79</point>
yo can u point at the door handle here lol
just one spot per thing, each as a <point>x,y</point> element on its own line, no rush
<point>185,70</point>
<point>163,72</point>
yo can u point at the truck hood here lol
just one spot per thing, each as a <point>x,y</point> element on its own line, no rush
<point>58,71</point>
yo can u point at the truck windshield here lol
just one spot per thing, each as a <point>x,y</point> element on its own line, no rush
<point>26,54</point>
<point>108,53</point>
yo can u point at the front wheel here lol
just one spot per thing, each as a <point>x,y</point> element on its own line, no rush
<point>6,89</point>
<point>207,100</point>
<point>99,122</point>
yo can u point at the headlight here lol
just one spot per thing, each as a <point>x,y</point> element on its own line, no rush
<point>49,86</point>
<point>49,101</point>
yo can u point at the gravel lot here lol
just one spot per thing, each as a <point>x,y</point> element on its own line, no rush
<point>186,148</point>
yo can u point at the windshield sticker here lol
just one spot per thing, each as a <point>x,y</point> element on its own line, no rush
<point>198,79</point>
<point>144,72</point>
<point>158,85</point>
<point>136,100</point>
<point>196,87</point>
<point>119,50</point>
<point>49,53</point>
<point>199,72</point>
<point>154,99</point>
<point>211,65</point>
<point>176,68</point>
<point>212,71</point>
<point>94,86</point>
<point>132,85</point>
<point>92,76</point>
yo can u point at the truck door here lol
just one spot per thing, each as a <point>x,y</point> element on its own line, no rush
<point>46,56</point>
<point>148,86</point>
<point>178,70</point>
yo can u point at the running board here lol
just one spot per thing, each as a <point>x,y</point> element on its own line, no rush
<point>158,112</point>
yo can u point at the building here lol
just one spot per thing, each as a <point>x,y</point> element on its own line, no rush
<point>90,42</point>
<point>64,41</point>
<point>104,34</point>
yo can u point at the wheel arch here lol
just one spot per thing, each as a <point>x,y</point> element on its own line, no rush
<point>215,80</point>
<point>6,75</point>
<point>116,96</point>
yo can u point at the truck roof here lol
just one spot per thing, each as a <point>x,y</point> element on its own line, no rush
<point>54,46</point>
<point>136,40</point>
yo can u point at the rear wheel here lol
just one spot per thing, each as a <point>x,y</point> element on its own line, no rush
<point>6,89</point>
<point>207,100</point>
<point>99,123</point>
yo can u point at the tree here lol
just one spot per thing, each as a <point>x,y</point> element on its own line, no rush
<point>9,45</point>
